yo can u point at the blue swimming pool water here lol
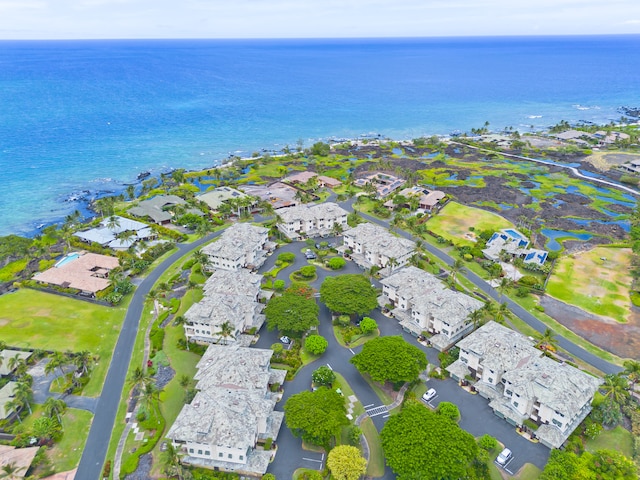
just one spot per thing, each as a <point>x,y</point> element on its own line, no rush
<point>67,259</point>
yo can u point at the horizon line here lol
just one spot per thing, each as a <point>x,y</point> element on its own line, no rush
<point>386,37</point>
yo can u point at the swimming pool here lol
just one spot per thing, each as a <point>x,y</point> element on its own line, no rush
<point>66,259</point>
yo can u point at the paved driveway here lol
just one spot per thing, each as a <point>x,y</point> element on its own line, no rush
<point>477,417</point>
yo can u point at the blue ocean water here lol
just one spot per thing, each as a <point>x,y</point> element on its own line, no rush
<point>87,116</point>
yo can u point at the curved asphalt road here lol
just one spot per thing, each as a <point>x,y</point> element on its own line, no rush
<point>482,285</point>
<point>95,450</point>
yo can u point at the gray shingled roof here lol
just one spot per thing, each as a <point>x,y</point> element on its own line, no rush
<point>378,239</point>
<point>236,241</point>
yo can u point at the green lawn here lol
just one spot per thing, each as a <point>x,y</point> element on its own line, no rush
<point>618,439</point>
<point>65,455</point>
<point>375,467</point>
<point>454,220</point>
<point>34,319</point>
<point>597,281</point>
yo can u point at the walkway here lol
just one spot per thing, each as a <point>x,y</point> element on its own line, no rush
<point>95,450</point>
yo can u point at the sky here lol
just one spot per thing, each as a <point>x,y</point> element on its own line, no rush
<point>102,19</point>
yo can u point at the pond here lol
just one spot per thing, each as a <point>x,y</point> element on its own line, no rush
<point>630,204</point>
<point>397,151</point>
<point>554,235</point>
<point>624,224</point>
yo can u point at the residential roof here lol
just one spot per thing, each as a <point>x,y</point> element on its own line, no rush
<point>233,399</point>
<point>515,243</point>
<point>557,385</point>
<point>428,295</point>
<point>236,241</point>
<point>108,232</point>
<point>7,355</point>
<point>88,273</point>
<point>329,181</point>
<point>500,348</point>
<point>428,198</point>
<point>19,457</point>
<point>385,183</point>
<point>216,197</point>
<point>234,282</point>
<point>154,207</point>
<point>378,239</point>
<point>300,177</point>
<point>325,211</point>
<point>412,282</point>
<point>236,367</point>
<point>216,309</point>
<point>6,395</point>
<point>278,194</point>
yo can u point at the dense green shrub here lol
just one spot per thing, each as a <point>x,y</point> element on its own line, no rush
<point>336,263</point>
<point>316,344</point>
<point>449,410</point>
<point>368,325</point>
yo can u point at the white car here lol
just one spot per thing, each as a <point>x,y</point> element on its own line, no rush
<point>285,339</point>
<point>429,394</point>
<point>504,457</point>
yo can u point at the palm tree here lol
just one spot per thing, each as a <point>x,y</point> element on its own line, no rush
<point>113,222</point>
<point>547,340</point>
<point>140,379</point>
<point>14,405</point>
<point>201,257</point>
<point>185,381</point>
<point>54,406</point>
<point>632,370</point>
<point>171,461</point>
<point>337,229</point>
<point>615,388</point>
<point>13,362</point>
<point>504,284</point>
<point>501,312</point>
<point>476,317</point>
<point>23,392</point>
<point>127,237</point>
<point>392,262</point>
<point>226,330</point>
<point>83,360</point>
<point>149,397</point>
<point>203,228</point>
<point>456,267</point>
<point>58,360</point>
<point>131,192</point>
<point>152,296</point>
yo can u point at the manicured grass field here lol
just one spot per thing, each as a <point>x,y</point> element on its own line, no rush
<point>597,281</point>
<point>65,455</point>
<point>618,439</point>
<point>41,320</point>
<point>454,220</point>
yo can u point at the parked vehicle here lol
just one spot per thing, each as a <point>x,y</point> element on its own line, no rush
<point>504,457</point>
<point>429,394</point>
<point>286,340</point>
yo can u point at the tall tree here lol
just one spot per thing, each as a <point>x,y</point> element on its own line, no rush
<point>316,416</point>
<point>226,331</point>
<point>54,407</point>
<point>421,444</point>
<point>349,294</point>
<point>23,392</point>
<point>615,388</point>
<point>547,340</point>
<point>346,463</point>
<point>632,371</point>
<point>291,314</point>
<point>390,359</point>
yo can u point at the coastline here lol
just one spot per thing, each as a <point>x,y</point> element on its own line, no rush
<point>84,199</point>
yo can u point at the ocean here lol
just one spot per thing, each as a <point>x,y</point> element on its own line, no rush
<point>79,119</point>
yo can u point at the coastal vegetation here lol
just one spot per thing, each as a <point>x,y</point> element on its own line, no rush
<point>517,194</point>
